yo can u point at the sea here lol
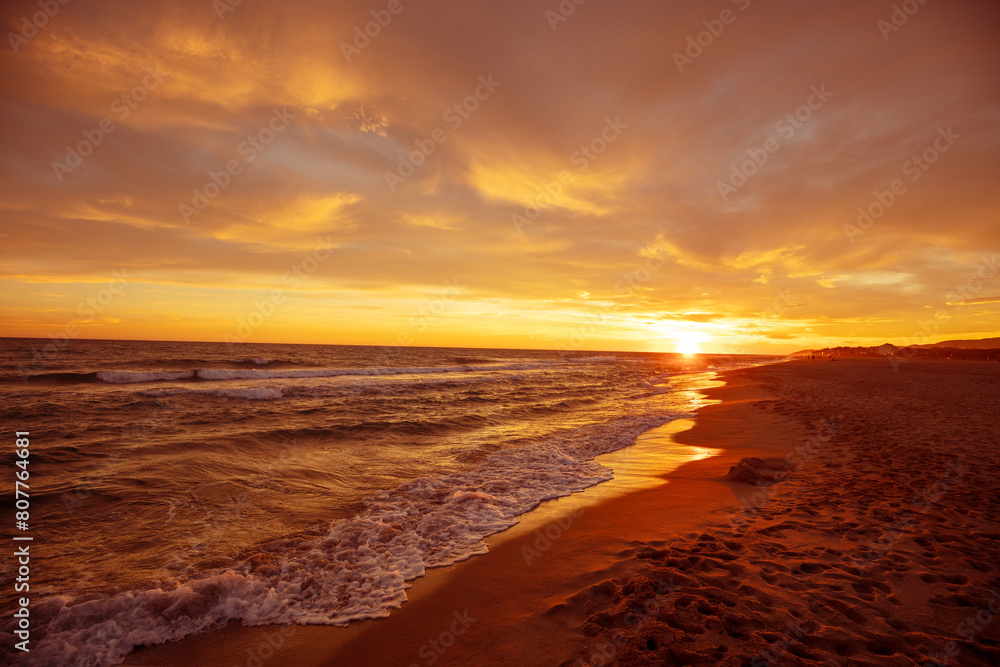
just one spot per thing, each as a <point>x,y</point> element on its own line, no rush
<point>175,487</point>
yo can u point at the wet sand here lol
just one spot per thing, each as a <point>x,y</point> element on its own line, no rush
<point>879,545</point>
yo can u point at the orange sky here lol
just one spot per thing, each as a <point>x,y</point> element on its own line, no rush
<point>628,175</point>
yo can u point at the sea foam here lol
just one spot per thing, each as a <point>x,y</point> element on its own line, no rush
<point>359,569</point>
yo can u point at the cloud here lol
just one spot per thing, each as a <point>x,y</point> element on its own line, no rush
<point>975,301</point>
<point>632,218</point>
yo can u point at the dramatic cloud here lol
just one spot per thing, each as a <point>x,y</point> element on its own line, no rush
<point>740,175</point>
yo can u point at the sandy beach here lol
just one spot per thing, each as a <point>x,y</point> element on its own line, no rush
<point>564,333</point>
<point>876,546</point>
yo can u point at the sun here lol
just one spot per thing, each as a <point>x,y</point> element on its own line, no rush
<point>688,342</point>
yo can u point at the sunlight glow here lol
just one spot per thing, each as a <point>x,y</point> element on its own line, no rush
<point>688,342</point>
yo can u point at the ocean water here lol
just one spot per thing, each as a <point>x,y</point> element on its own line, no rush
<point>180,486</point>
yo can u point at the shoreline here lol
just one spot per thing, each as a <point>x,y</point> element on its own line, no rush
<point>517,593</point>
<point>878,546</point>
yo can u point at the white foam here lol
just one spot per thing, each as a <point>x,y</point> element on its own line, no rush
<point>127,377</point>
<point>360,568</point>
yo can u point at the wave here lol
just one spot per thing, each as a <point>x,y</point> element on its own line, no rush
<point>56,378</point>
<point>362,386</point>
<point>129,377</point>
<point>257,361</point>
<point>359,569</point>
<point>223,374</point>
<point>228,374</point>
<point>250,393</point>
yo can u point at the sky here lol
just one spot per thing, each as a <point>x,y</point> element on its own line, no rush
<point>736,176</point>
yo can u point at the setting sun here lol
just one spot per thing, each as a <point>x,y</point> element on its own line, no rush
<point>689,342</point>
